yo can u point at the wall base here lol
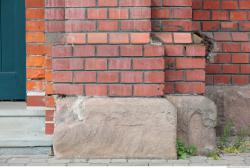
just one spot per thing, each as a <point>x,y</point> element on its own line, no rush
<point>115,128</point>
<point>233,103</point>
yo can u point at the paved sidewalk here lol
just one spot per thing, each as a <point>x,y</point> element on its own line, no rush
<point>43,160</point>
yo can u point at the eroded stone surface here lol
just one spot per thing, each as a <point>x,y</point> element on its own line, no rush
<point>233,103</point>
<point>115,128</point>
<point>197,117</point>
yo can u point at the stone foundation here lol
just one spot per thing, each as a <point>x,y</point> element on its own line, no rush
<point>197,117</point>
<point>233,103</point>
<point>115,128</point>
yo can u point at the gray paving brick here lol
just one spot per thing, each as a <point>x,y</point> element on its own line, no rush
<point>198,159</point>
<point>37,160</point>
<point>79,160</point>
<point>139,160</point>
<point>158,161</point>
<point>55,161</point>
<point>37,164</point>
<point>179,161</point>
<point>18,160</point>
<point>99,161</point>
<point>118,161</point>
<point>78,164</point>
<point>160,164</point>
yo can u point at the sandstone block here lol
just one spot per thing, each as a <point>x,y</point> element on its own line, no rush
<point>196,118</point>
<point>115,128</point>
<point>233,103</point>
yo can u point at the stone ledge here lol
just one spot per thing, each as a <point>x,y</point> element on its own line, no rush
<point>115,128</point>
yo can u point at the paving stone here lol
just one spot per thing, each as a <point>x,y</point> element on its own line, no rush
<point>199,159</point>
<point>99,161</point>
<point>158,161</point>
<point>179,161</point>
<point>118,160</point>
<point>78,164</point>
<point>37,164</point>
<point>53,160</point>
<point>138,161</point>
<point>57,164</point>
<point>37,160</point>
<point>79,160</point>
<point>16,164</point>
<point>228,157</point>
<point>198,164</point>
<point>18,160</point>
<point>161,164</point>
<point>98,164</point>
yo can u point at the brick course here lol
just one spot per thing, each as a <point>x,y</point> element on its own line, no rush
<point>227,22</point>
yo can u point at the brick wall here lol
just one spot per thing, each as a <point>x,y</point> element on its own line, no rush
<point>36,52</point>
<point>228,23</point>
<point>185,61</point>
<point>105,49</point>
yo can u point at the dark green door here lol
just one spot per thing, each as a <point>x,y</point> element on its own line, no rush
<point>12,50</point>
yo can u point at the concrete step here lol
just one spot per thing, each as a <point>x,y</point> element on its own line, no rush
<point>22,127</point>
<point>25,140</point>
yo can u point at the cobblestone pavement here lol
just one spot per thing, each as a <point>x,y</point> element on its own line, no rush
<point>43,160</point>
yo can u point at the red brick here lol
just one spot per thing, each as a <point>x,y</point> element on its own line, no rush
<point>148,64</point>
<point>140,38</point>
<point>62,76</point>
<point>122,64</point>
<point>231,69</point>
<point>195,50</point>
<point>240,80</point>
<point>220,15</point>
<point>195,75</point>
<point>211,4</point>
<point>108,77</point>
<point>245,69</point>
<point>210,26</point>
<point>120,90</point>
<point>118,13</point>
<point>131,50</point>
<point>182,38</point>
<point>238,15</point>
<point>155,50</point>
<point>244,4</point>
<point>97,38</point>
<point>107,3</point>
<point>131,77</point>
<point>97,13</point>
<point>62,51</point>
<point>190,87</point>
<point>174,75</point>
<point>107,25</point>
<point>119,38</point>
<point>96,90</point>
<point>140,13</point>
<point>214,68</point>
<point>84,51</point>
<point>148,90</point>
<point>80,3</point>
<point>201,15</point>
<point>154,77</point>
<point>174,50</point>
<point>240,58</point>
<point>84,77</point>
<point>74,13</point>
<point>229,4</point>
<point>222,79</point>
<point>96,64</point>
<point>108,50</point>
<point>190,63</point>
<point>68,89</point>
